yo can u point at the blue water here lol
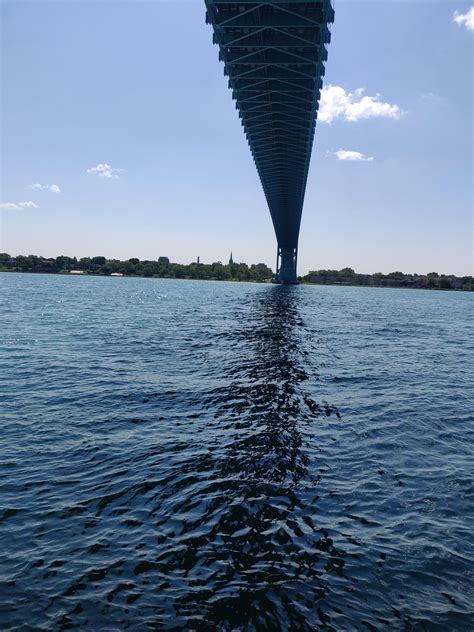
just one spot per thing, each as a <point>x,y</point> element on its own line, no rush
<point>180,455</point>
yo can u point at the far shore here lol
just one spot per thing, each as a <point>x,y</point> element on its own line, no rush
<point>301,280</point>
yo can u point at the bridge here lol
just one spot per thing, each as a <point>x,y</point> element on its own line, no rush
<point>274,53</point>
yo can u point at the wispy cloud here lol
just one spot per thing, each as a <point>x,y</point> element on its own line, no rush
<point>336,103</point>
<point>53,188</point>
<point>465,18</point>
<point>347,154</point>
<point>103,170</point>
<point>433,98</point>
<point>430,96</point>
<point>16,206</point>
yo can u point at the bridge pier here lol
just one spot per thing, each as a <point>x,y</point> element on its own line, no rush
<point>286,265</point>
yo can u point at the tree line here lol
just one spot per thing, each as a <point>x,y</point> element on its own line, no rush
<point>430,281</point>
<point>259,272</point>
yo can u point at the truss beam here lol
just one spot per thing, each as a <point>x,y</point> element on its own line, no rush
<point>274,53</point>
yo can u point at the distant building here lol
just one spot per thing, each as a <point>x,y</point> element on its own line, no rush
<point>198,261</point>
<point>76,271</point>
<point>163,260</point>
<point>231,261</point>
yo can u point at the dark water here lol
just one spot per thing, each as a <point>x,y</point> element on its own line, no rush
<point>211,456</point>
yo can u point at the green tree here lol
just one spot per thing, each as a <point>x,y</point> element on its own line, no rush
<point>84,263</point>
<point>397,276</point>
<point>347,272</point>
<point>98,261</point>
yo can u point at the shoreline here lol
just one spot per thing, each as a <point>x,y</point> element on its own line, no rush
<point>266,282</point>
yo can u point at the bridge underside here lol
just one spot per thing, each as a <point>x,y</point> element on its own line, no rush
<point>274,53</point>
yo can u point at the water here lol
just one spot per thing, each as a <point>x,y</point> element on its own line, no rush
<point>181,455</point>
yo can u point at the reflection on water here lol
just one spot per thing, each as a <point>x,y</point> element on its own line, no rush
<point>172,457</point>
<point>258,533</point>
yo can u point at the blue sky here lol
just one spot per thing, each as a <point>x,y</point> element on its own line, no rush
<point>123,106</point>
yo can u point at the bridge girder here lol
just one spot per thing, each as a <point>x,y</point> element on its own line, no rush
<point>274,53</point>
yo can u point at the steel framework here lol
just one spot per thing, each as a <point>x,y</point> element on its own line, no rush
<point>274,53</point>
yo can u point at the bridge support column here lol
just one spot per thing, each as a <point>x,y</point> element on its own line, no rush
<point>286,265</point>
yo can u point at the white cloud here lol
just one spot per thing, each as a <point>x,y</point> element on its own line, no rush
<point>16,206</point>
<point>53,188</point>
<point>353,106</point>
<point>104,170</point>
<point>347,154</point>
<point>465,18</point>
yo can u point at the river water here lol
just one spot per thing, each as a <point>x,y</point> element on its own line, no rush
<point>180,455</point>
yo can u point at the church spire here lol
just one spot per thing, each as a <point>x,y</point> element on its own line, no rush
<point>231,261</point>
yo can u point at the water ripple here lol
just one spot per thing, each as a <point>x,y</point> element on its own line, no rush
<point>211,456</point>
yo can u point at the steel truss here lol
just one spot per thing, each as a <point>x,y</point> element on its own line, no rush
<point>274,53</point>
